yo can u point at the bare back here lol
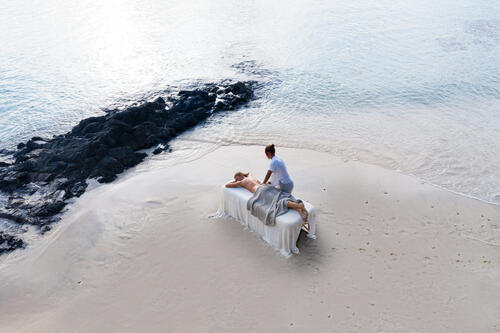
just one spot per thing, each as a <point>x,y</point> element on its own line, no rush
<point>250,184</point>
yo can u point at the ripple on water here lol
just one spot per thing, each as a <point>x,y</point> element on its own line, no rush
<point>403,86</point>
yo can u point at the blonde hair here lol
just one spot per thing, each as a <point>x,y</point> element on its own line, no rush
<point>239,173</point>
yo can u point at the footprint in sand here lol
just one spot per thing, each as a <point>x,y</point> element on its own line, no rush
<point>154,203</point>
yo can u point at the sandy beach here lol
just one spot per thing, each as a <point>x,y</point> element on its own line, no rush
<point>393,254</point>
<point>121,121</point>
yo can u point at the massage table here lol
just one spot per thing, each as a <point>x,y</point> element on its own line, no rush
<point>282,236</point>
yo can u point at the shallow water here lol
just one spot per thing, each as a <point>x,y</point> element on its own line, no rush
<point>412,86</point>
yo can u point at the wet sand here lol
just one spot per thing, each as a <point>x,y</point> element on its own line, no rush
<point>393,254</point>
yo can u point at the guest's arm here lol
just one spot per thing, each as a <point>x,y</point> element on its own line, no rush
<point>234,183</point>
<point>269,172</point>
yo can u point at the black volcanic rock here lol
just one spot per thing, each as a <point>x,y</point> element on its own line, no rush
<point>47,172</point>
<point>9,243</point>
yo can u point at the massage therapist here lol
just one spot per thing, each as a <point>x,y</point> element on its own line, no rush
<point>277,171</point>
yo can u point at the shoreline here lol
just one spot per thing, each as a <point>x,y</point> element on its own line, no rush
<point>391,254</point>
<point>45,173</point>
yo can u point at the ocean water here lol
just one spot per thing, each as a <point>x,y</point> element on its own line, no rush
<point>412,86</point>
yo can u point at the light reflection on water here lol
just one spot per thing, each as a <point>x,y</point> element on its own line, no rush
<point>413,86</point>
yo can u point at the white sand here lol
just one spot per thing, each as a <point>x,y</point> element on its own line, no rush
<point>141,255</point>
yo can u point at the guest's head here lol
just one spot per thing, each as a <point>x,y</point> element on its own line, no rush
<point>270,151</point>
<point>238,176</point>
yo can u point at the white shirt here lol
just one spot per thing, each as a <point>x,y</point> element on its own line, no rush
<point>280,173</point>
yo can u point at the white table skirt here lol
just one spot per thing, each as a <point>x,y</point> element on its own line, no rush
<point>282,236</point>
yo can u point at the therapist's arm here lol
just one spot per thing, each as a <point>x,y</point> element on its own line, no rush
<point>269,173</point>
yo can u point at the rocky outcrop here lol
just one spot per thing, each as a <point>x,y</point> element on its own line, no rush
<point>9,243</point>
<point>47,172</point>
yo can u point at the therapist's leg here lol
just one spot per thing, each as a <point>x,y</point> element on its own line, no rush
<point>286,187</point>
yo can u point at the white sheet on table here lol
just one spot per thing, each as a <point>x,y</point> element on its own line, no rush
<point>281,236</point>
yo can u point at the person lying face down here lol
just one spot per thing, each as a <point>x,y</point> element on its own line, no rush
<point>248,181</point>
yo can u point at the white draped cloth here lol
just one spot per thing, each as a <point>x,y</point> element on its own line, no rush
<point>282,236</point>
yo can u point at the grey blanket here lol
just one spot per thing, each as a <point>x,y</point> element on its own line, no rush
<point>267,203</point>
